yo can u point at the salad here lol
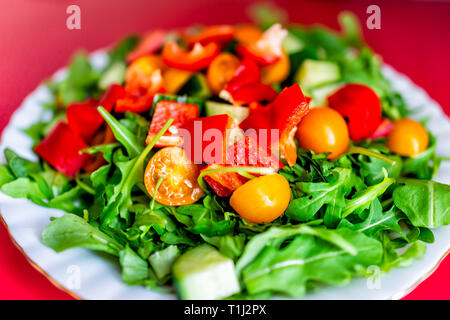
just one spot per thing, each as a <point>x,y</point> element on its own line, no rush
<point>235,162</point>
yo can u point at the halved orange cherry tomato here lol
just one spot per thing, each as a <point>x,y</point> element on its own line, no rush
<point>276,72</point>
<point>198,58</point>
<point>179,186</point>
<point>247,34</point>
<point>262,199</point>
<point>324,130</point>
<point>221,70</point>
<point>408,138</point>
<point>220,34</point>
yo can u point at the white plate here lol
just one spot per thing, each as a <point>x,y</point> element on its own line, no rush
<point>90,275</point>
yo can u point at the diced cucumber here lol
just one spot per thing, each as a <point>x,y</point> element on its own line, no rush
<point>114,74</point>
<point>236,112</point>
<point>292,44</point>
<point>196,87</point>
<point>313,73</point>
<point>204,273</point>
<point>320,94</point>
<point>162,261</point>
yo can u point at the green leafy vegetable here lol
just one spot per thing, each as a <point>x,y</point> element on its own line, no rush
<point>425,203</point>
<point>71,231</point>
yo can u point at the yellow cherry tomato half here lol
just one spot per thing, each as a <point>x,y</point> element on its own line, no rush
<point>276,72</point>
<point>262,199</point>
<point>407,138</point>
<point>179,185</point>
<point>324,130</point>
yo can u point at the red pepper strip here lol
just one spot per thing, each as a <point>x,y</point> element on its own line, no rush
<point>245,152</point>
<point>138,98</point>
<point>219,34</point>
<point>247,72</point>
<point>198,58</point>
<point>150,43</point>
<point>360,106</point>
<point>254,92</point>
<point>165,110</point>
<point>206,139</point>
<point>383,129</point>
<point>84,119</point>
<point>61,148</point>
<point>283,114</point>
<point>259,57</point>
<point>268,49</point>
<point>223,183</point>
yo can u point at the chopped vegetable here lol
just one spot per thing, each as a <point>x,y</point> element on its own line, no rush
<point>61,148</point>
<point>198,58</point>
<point>361,107</point>
<point>173,160</point>
<point>407,138</point>
<point>324,130</point>
<point>179,178</point>
<point>284,114</point>
<point>262,199</point>
<point>165,110</point>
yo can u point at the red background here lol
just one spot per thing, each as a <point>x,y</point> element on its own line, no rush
<point>34,42</point>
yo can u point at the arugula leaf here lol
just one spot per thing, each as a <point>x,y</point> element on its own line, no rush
<point>80,82</point>
<point>202,220</point>
<point>134,268</point>
<point>376,221</point>
<point>71,231</point>
<point>161,261</point>
<point>425,203</point>
<point>363,199</point>
<point>392,258</point>
<point>289,269</point>
<point>228,245</point>
<point>6,175</point>
<point>425,165</point>
<point>318,194</point>
<point>21,167</point>
<point>277,235</point>
<point>122,134</point>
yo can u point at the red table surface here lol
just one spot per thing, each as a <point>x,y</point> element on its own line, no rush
<point>34,42</point>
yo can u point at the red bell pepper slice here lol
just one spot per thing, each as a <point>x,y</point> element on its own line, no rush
<point>198,58</point>
<point>179,112</point>
<point>150,43</point>
<point>266,50</point>
<point>245,86</point>
<point>206,139</point>
<point>248,72</point>
<point>254,92</point>
<point>245,152</point>
<point>84,119</point>
<point>283,114</point>
<point>223,183</point>
<point>61,148</point>
<point>219,34</point>
<point>360,106</point>
<point>139,98</point>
